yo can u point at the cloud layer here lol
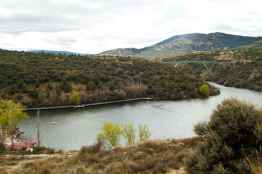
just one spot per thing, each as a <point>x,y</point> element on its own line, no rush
<point>90,26</point>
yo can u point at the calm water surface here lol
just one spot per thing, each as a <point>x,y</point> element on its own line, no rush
<point>71,129</point>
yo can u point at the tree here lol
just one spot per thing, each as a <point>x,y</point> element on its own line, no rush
<point>144,133</point>
<point>110,134</point>
<point>113,133</point>
<point>204,90</point>
<point>129,133</point>
<point>11,114</point>
<point>75,97</point>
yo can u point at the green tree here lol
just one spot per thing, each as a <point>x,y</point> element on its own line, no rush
<point>204,90</point>
<point>11,114</point>
<point>75,97</point>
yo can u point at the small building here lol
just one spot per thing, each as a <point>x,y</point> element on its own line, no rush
<point>19,144</point>
<point>16,142</point>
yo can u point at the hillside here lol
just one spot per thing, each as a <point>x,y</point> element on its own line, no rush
<point>37,79</point>
<point>241,54</point>
<point>241,75</point>
<point>188,43</point>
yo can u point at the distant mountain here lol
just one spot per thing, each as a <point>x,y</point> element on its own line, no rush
<point>64,53</point>
<point>188,43</point>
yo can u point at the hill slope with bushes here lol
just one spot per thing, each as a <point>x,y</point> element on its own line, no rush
<point>36,79</point>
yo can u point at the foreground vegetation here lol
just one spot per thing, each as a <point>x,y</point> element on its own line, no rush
<point>233,136</point>
<point>37,79</point>
<point>158,157</point>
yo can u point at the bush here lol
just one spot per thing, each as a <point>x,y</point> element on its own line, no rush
<point>233,132</point>
<point>43,150</point>
<point>201,129</point>
<point>204,90</point>
<point>2,148</point>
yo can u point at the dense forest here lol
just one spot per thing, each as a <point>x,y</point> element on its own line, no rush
<point>38,79</point>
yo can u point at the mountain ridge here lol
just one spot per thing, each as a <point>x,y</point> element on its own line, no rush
<point>187,43</point>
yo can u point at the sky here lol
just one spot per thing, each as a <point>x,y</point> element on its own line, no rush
<point>93,26</point>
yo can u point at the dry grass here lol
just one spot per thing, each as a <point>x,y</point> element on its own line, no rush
<point>255,164</point>
<point>153,157</point>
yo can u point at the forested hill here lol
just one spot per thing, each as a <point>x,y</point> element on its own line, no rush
<point>37,79</point>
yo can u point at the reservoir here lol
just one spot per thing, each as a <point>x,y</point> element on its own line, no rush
<point>71,129</point>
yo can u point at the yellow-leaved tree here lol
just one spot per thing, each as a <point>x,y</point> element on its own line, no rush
<point>11,114</point>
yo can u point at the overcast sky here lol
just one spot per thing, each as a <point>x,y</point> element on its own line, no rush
<point>92,26</point>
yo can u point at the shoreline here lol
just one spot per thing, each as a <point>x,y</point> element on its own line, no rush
<point>87,105</point>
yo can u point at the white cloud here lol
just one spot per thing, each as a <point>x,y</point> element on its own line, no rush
<point>92,26</point>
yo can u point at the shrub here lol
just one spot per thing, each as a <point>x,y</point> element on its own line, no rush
<point>233,131</point>
<point>2,147</point>
<point>43,150</point>
<point>129,133</point>
<point>144,133</point>
<point>204,90</point>
<point>201,129</point>
<point>110,135</point>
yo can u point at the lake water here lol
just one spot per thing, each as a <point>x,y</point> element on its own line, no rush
<point>71,129</point>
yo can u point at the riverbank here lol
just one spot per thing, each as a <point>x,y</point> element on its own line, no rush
<point>161,157</point>
<point>87,105</point>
